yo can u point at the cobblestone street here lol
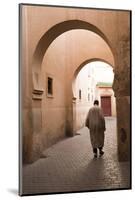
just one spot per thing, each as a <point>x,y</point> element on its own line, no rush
<point>70,166</point>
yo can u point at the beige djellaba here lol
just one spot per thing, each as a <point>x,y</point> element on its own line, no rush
<point>96,123</point>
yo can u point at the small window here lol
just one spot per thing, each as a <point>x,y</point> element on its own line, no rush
<point>80,94</point>
<point>49,86</point>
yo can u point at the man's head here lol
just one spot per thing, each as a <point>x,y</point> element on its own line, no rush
<point>96,102</point>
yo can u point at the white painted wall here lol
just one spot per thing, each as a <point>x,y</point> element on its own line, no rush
<point>86,81</point>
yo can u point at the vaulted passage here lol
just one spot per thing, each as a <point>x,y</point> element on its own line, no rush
<point>54,51</point>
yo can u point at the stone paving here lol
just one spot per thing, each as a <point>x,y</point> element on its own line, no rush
<point>70,166</point>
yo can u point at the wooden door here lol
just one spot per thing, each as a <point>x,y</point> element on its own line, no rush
<point>106,105</point>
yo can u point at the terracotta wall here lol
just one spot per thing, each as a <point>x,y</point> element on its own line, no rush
<point>46,120</point>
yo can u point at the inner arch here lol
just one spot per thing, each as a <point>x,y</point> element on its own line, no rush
<point>83,65</point>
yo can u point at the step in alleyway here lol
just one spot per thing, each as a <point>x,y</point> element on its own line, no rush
<point>70,166</point>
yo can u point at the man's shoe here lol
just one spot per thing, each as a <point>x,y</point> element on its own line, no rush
<point>101,153</point>
<point>95,155</point>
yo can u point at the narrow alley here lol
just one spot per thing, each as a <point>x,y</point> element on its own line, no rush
<point>69,166</point>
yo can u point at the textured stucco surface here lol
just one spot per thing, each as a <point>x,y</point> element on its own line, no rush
<point>107,37</point>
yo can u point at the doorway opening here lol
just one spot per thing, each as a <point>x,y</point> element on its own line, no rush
<point>106,105</point>
<point>95,80</point>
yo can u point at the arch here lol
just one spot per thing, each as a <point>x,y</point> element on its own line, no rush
<point>82,65</point>
<point>41,48</point>
<point>74,108</point>
<point>49,37</point>
<point>60,28</point>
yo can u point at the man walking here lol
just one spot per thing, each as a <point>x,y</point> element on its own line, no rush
<point>96,123</point>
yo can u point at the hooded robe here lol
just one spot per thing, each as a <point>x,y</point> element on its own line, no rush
<point>96,123</point>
